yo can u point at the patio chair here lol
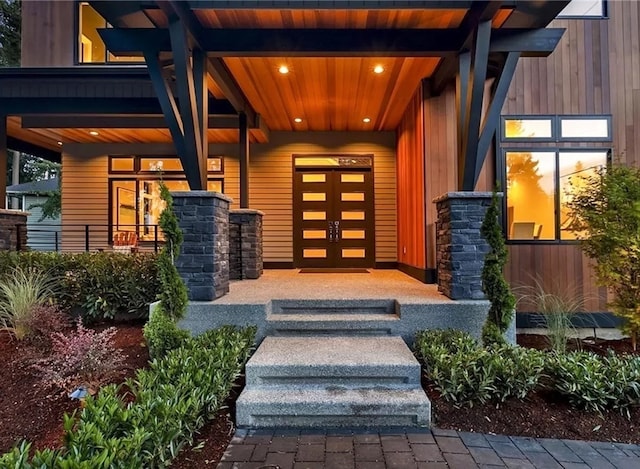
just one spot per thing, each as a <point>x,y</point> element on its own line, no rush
<point>125,242</point>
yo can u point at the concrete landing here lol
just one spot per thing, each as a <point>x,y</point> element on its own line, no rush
<point>333,381</point>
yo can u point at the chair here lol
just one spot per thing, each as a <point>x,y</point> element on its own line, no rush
<point>522,230</point>
<point>125,242</point>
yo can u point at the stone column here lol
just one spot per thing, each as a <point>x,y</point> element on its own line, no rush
<point>460,248</point>
<point>203,262</point>
<point>13,230</point>
<point>245,244</point>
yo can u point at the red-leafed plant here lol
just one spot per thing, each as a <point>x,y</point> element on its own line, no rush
<point>83,357</point>
<point>44,321</point>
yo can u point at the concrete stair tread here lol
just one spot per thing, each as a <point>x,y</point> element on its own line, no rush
<point>331,396</point>
<point>324,317</point>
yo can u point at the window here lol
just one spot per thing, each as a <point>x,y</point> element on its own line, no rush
<point>91,48</point>
<point>135,202</point>
<point>584,9</point>
<point>540,180</point>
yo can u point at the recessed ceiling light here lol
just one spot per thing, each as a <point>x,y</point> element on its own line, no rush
<point>94,133</point>
<point>366,120</point>
<point>297,120</point>
<point>283,69</point>
<point>59,143</point>
<point>378,69</point>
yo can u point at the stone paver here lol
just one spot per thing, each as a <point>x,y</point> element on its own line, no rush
<point>347,448</point>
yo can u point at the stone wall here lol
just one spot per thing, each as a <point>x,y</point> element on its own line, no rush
<point>13,230</point>
<point>203,262</point>
<point>245,244</point>
<point>460,248</point>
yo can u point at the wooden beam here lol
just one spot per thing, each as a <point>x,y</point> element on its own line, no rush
<point>332,42</point>
<point>3,160</point>
<point>473,112</point>
<point>244,161</point>
<point>492,118</point>
<point>105,121</point>
<point>463,79</point>
<point>201,103</point>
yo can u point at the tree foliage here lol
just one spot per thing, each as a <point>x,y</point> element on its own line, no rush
<point>606,208</point>
<point>10,33</point>
<point>494,284</point>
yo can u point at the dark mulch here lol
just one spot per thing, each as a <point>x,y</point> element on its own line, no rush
<point>542,414</point>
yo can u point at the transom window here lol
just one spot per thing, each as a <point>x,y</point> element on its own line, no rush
<point>584,9</point>
<point>541,179</point>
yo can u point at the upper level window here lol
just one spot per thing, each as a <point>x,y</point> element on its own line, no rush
<point>584,9</point>
<point>91,48</point>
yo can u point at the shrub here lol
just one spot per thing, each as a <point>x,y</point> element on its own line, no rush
<point>464,372</point>
<point>162,334</point>
<point>172,400</point>
<point>22,291</point>
<point>45,320</point>
<point>100,285</point>
<point>493,282</point>
<point>84,357</point>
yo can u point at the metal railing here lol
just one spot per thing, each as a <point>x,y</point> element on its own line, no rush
<point>79,238</point>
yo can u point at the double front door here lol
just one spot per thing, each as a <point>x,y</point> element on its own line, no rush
<point>334,217</point>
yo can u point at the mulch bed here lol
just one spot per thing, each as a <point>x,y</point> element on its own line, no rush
<point>29,412</point>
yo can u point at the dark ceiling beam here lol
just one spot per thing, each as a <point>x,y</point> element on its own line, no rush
<point>117,122</point>
<point>448,67</point>
<point>74,105</point>
<point>123,13</point>
<point>332,42</point>
<point>334,4</point>
<point>23,146</point>
<point>215,66</point>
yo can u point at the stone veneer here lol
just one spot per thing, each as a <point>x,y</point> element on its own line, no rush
<point>460,248</point>
<point>13,230</point>
<point>245,244</point>
<point>203,262</point>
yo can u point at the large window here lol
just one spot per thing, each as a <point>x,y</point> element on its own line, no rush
<point>91,48</point>
<point>584,9</point>
<point>135,203</point>
<point>541,179</point>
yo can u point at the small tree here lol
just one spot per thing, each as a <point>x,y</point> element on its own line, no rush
<point>494,284</point>
<point>606,209</point>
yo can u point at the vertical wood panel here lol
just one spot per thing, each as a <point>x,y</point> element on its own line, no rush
<point>48,33</point>
<point>411,181</point>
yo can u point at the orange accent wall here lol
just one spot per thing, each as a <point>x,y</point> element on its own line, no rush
<point>410,183</point>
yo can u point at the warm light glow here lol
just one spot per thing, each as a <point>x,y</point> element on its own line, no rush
<point>60,143</point>
<point>297,120</point>
<point>366,120</point>
<point>378,69</point>
<point>94,133</point>
<point>283,69</point>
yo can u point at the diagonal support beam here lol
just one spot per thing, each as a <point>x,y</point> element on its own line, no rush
<point>473,112</point>
<point>492,118</point>
<point>463,79</point>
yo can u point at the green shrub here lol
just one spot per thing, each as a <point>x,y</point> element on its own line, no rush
<point>22,292</point>
<point>596,383</point>
<point>100,285</point>
<point>464,372</point>
<point>171,401</point>
<point>162,334</point>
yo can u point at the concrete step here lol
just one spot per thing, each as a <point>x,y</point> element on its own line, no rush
<point>351,361</point>
<point>332,407</point>
<point>333,381</point>
<point>331,324</point>
<point>330,307</point>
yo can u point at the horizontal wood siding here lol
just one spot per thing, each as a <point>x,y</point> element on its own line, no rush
<point>271,184</point>
<point>411,180</point>
<point>48,33</point>
<point>85,201</point>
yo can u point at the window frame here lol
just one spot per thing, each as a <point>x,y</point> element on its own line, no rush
<point>604,16</point>
<point>586,117</point>
<point>515,117</point>
<point>137,164</point>
<point>501,166</point>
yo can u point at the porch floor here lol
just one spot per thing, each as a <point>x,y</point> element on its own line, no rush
<point>291,285</point>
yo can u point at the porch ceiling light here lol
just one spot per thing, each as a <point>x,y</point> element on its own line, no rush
<point>366,120</point>
<point>378,69</point>
<point>297,120</point>
<point>95,133</point>
<point>283,69</point>
<point>59,143</point>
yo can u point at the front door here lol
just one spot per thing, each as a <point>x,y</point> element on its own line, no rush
<point>333,218</point>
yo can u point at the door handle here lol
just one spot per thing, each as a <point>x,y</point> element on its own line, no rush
<point>336,231</point>
<point>331,232</point>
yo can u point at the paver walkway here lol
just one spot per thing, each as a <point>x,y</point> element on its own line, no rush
<point>416,449</point>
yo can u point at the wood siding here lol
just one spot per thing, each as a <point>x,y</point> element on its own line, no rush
<point>412,205</point>
<point>85,185</point>
<point>594,70</point>
<point>48,33</point>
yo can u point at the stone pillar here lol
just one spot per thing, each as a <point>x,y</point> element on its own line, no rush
<point>13,230</point>
<point>203,262</point>
<point>245,244</point>
<point>460,248</point>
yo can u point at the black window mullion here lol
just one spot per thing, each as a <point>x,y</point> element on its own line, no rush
<point>557,198</point>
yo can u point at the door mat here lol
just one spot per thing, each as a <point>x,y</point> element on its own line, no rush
<point>318,270</point>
